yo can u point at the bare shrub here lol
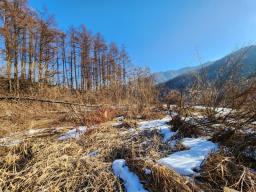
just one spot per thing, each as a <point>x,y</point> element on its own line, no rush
<point>173,97</point>
<point>228,98</point>
<point>184,128</point>
<point>141,92</point>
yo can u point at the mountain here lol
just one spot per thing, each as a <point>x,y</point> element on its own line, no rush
<point>241,62</point>
<point>161,77</point>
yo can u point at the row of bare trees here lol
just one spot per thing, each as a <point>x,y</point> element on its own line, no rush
<point>37,53</point>
<point>43,61</point>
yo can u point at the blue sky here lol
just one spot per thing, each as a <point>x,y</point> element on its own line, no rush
<point>163,34</point>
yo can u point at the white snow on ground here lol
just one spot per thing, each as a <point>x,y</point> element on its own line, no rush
<point>93,153</point>
<point>34,131</point>
<point>199,107</point>
<point>120,118</point>
<point>159,124</point>
<point>147,171</point>
<point>8,141</point>
<point>184,162</point>
<point>221,111</point>
<point>154,123</point>
<point>117,124</point>
<point>166,132</point>
<point>131,181</point>
<point>73,133</point>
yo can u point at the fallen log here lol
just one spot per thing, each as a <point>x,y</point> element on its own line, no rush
<point>46,101</point>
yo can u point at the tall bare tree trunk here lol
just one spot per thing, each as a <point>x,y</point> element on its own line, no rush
<point>30,58</point>
<point>23,56</point>
<point>15,50</point>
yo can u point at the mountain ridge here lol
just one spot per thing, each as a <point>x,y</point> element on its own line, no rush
<point>244,59</point>
<point>164,76</point>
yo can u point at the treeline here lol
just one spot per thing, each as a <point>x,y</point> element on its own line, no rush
<point>36,52</point>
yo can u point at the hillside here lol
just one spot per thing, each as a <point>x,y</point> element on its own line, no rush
<point>164,76</point>
<point>243,60</point>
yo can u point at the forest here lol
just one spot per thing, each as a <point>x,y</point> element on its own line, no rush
<point>39,56</point>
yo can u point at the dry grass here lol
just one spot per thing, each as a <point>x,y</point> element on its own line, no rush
<point>55,167</point>
<point>98,116</point>
<point>242,145</point>
<point>45,164</point>
<point>48,165</point>
<point>143,112</point>
<point>62,166</point>
<point>20,116</point>
<point>161,179</point>
<point>222,170</point>
<point>186,129</point>
<point>150,144</point>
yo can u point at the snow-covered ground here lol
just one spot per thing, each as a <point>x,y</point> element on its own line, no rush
<point>130,180</point>
<point>221,111</point>
<point>93,154</point>
<point>8,141</point>
<point>19,137</point>
<point>160,125</point>
<point>185,162</point>
<point>73,133</point>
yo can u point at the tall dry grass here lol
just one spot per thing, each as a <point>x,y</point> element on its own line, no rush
<point>160,178</point>
<point>48,165</point>
<point>74,165</point>
<point>223,170</point>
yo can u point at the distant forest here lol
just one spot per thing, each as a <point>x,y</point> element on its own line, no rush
<point>34,51</point>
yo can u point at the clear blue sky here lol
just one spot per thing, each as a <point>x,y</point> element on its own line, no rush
<point>163,34</point>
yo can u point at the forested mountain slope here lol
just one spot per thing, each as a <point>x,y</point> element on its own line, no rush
<point>241,63</point>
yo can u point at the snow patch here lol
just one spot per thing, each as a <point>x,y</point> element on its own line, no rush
<point>185,162</point>
<point>154,123</point>
<point>9,142</point>
<point>120,118</point>
<point>166,132</point>
<point>93,153</point>
<point>117,124</point>
<point>160,125</point>
<point>131,181</point>
<point>73,133</point>
<point>147,171</point>
<point>221,111</point>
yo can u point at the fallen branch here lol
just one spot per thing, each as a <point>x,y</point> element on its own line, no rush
<point>46,101</point>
